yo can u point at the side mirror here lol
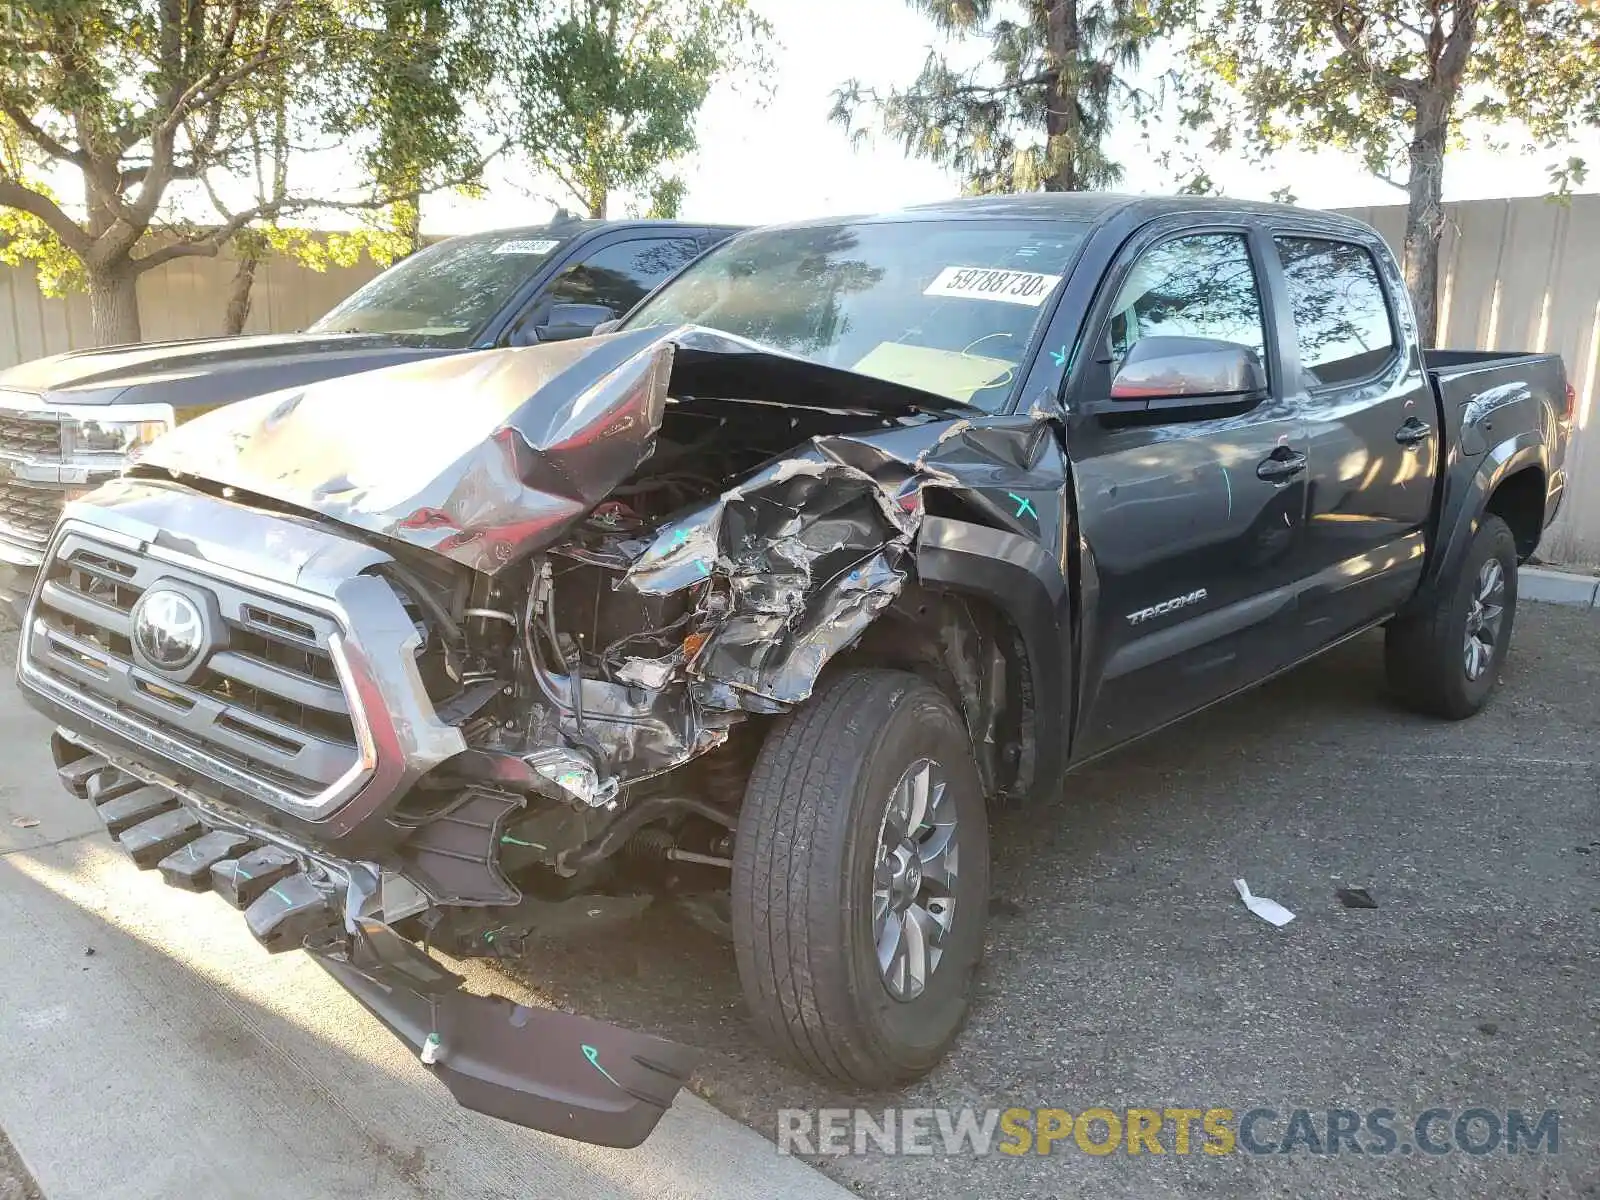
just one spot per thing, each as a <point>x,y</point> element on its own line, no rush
<point>1160,373</point>
<point>567,321</point>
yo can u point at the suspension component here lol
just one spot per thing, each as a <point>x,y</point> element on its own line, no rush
<point>649,845</point>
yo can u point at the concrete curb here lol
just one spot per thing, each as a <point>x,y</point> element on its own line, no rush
<point>1550,586</point>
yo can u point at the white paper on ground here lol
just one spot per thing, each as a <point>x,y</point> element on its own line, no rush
<point>1268,910</point>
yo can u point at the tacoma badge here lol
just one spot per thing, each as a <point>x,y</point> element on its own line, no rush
<point>1166,606</point>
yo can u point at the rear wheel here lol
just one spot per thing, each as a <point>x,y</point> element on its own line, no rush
<point>861,878</point>
<point>1446,660</point>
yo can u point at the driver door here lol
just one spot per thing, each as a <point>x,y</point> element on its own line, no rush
<point>1192,520</point>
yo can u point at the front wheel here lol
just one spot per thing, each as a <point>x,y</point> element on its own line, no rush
<point>861,880</point>
<point>1446,660</point>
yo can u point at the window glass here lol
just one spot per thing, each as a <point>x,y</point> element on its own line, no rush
<point>946,306</point>
<point>1341,317</point>
<point>1197,286</point>
<point>622,274</point>
<point>445,294</point>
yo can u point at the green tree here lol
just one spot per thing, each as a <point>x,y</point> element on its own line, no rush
<point>147,102</point>
<point>609,92</point>
<point>1397,82</point>
<point>1036,112</point>
<point>432,59</point>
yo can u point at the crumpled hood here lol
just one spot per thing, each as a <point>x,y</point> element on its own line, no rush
<point>489,457</point>
<point>205,371</point>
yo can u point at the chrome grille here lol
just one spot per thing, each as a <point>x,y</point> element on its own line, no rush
<point>28,514</point>
<point>264,703</point>
<point>25,436</point>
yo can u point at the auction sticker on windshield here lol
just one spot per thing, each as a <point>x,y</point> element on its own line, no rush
<point>527,246</point>
<point>993,283</point>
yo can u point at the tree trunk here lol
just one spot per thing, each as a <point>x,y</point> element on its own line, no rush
<point>244,277</point>
<point>1425,213</point>
<point>113,306</point>
<point>597,203</point>
<point>408,221</point>
<point>1062,132</point>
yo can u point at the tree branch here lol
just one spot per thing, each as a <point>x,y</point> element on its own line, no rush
<point>1349,37</point>
<point>562,178</point>
<point>213,240</point>
<point>15,195</point>
<point>1458,45</point>
<point>213,82</point>
<point>1385,177</point>
<point>40,137</point>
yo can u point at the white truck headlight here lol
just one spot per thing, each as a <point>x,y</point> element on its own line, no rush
<point>114,437</point>
<point>120,432</point>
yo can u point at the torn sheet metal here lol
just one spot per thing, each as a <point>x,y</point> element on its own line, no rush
<point>803,557</point>
<point>486,458</point>
<point>797,561</point>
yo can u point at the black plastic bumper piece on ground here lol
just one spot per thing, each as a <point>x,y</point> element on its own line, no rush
<point>565,1074</point>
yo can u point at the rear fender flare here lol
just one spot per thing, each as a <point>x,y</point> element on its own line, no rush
<point>1017,576</point>
<point>1458,523</point>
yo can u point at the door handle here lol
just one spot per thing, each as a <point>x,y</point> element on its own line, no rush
<point>1283,463</point>
<point>1413,432</point>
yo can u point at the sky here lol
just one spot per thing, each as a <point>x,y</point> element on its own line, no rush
<point>785,161</point>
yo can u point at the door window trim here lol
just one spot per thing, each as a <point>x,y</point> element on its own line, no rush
<point>582,248</point>
<point>1157,233</point>
<point>1396,341</point>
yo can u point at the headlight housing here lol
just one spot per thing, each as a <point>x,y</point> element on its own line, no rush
<point>120,434</point>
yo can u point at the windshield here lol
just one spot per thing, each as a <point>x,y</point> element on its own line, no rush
<point>944,306</point>
<point>448,292</point>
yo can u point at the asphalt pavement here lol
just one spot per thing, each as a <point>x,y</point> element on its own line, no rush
<point>1123,971</point>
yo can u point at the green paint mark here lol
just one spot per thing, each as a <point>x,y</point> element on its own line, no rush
<point>280,895</point>
<point>1024,506</point>
<point>1059,357</point>
<point>593,1056</point>
<point>507,840</point>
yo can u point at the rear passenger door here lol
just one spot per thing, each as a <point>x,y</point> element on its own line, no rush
<point>1190,521</point>
<point>1372,437</point>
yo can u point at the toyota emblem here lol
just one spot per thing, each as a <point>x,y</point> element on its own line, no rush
<point>168,629</point>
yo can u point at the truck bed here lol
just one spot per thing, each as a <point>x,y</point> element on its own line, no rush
<point>1486,396</point>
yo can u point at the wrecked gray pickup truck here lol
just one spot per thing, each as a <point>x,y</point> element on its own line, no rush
<point>850,529</point>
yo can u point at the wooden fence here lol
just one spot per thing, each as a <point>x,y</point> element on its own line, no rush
<point>186,298</point>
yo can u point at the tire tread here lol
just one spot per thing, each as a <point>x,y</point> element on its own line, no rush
<point>785,947</point>
<point>1422,651</point>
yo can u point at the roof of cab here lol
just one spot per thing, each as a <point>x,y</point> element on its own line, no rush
<point>576,226</point>
<point>1091,208</point>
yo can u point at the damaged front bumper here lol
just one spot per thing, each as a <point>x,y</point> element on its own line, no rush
<point>559,1072</point>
